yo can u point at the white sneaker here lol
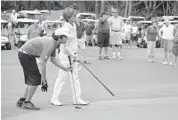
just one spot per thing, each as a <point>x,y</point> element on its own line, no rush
<point>56,102</point>
<point>165,63</point>
<point>170,64</point>
<point>80,102</point>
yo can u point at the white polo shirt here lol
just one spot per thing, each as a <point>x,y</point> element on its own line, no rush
<point>115,23</point>
<point>167,32</point>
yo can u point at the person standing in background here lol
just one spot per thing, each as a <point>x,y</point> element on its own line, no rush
<point>127,33</point>
<point>166,33</point>
<point>89,33</point>
<point>134,35</point>
<point>116,25</point>
<point>80,38</point>
<point>34,30</point>
<point>151,35</point>
<point>175,45</point>
<point>103,35</point>
<point>13,19</point>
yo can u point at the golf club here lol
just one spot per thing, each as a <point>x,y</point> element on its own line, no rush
<point>76,106</point>
<point>97,79</point>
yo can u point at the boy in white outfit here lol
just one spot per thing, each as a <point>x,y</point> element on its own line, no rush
<point>69,49</point>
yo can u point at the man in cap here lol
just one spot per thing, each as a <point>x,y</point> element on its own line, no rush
<point>166,33</point>
<point>43,48</point>
<point>116,24</point>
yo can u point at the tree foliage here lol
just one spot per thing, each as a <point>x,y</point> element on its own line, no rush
<point>141,8</point>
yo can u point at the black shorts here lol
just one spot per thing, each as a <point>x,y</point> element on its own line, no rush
<point>134,38</point>
<point>103,39</point>
<point>30,69</point>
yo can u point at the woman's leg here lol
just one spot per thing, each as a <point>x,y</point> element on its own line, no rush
<point>60,81</point>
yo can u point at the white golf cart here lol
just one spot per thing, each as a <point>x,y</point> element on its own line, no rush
<point>5,42</point>
<point>35,14</point>
<point>21,31</point>
<point>135,19</point>
<point>50,26</point>
<point>87,15</point>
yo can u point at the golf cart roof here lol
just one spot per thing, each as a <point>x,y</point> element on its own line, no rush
<point>26,20</point>
<point>92,14</point>
<point>89,20</point>
<point>174,22</point>
<point>137,17</point>
<point>44,11</point>
<point>51,21</point>
<point>34,12</point>
<point>145,22</point>
<point>4,21</point>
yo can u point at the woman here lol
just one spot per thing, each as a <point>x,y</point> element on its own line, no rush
<point>43,48</point>
<point>68,50</point>
<point>151,35</point>
<point>175,45</point>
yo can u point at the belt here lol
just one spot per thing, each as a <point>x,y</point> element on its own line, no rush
<point>116,30</point>
<point>22,51</point>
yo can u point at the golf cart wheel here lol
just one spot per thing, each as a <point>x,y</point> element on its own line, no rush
<point>8,46</point>
<point>19,44</point>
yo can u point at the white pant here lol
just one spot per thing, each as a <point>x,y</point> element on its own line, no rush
<point>151,48</point>
<point>64,76</point>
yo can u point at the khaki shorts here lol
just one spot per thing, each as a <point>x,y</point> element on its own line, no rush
<point>115,38</point>
<point>168,45</point>
<point>81,45</point>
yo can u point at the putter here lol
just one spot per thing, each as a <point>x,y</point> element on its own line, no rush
<point>97,79</point>
<point>76,106</point>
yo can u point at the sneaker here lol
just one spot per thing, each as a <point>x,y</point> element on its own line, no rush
<point>119,57</point>
<point>170,64</point>
<point>100,58</point>
<point>29,106</point>
<point>106,57</point>
<point>165,63</point>
<point>19,103</point>
<point>56,102</point>
<point>80,102</point>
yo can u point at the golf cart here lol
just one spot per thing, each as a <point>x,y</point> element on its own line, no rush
<point>21,31</point>
<point>135,19</point>
<point>35,14</point>
<point>87,15</point>
<point>5,42</point>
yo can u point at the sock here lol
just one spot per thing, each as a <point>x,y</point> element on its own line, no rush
<point>26,101</point>
<point>22,99</point>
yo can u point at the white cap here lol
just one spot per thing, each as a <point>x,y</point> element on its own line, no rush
<point>62,31</point>
<point>13,10</point>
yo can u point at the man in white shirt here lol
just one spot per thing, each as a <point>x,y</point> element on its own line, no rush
<point>116,24</point>
<point>166,33</point>
<point>13,18</point>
